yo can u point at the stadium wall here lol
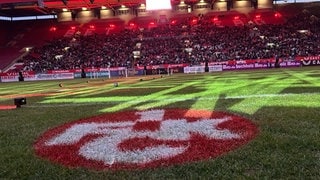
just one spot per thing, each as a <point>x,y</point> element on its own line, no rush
<point>165,69</point>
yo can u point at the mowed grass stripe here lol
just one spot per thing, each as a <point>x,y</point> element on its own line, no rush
<point>283,103</point>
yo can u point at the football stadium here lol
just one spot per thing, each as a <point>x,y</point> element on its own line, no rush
<point>170,89</point>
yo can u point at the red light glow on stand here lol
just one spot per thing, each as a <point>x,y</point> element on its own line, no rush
<point>277,15</point>
<point>194,21</point>
<point>53,29</point>
<point>215,19</point>
<point>173,22</point>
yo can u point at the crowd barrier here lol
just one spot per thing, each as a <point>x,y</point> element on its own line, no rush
<point>156,69</point>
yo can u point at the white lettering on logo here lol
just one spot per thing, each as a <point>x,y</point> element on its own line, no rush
<point>106,147</point>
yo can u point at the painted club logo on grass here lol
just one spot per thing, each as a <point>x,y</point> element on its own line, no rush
<point>144,139</point>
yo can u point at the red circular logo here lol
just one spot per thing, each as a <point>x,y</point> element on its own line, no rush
<point>144,139</point>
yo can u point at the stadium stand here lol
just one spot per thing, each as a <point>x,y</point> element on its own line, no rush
<point>169,44</point>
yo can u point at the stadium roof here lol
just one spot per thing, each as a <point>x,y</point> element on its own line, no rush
<point>40,7</point>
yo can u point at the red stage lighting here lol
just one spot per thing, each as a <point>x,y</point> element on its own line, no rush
<point>236,18</point>
<point>112,26</point>
<point>174,22</point>
<point>53,29</point>
<point>151,23</point>
<point>92,27</point>
<point>73,27</point>
<point>194,21</point>
<point>277,15</point>
<point>131,24</point>
<point>215,19</point>
<point>258,16</point>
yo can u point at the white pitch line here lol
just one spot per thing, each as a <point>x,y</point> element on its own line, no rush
<point>172,100</point>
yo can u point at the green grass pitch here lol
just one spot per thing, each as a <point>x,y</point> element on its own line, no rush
<point>283,103</point>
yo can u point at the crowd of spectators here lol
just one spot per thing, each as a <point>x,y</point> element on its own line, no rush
<point>180,43</point>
